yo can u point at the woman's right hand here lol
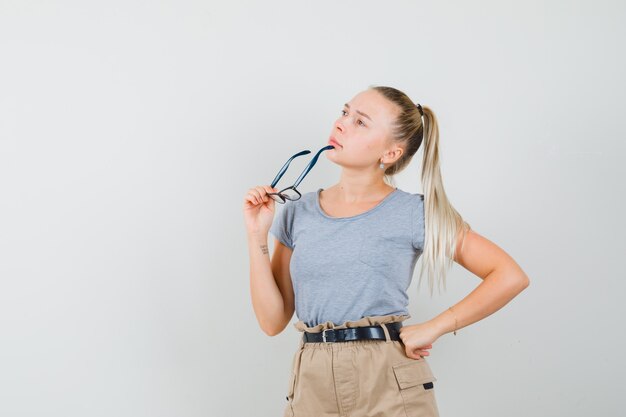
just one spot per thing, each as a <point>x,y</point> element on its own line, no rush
<point>258,209</point>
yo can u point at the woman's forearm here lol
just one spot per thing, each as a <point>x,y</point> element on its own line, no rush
<point>267,300</point>
<point>497,289</point>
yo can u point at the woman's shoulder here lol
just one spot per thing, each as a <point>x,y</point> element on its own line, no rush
<point>411,197</point>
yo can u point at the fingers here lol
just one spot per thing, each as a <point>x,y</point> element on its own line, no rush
<point>420,353</point>
<point>415,354</point>
<point>258,194</point>
<point>424,351</point>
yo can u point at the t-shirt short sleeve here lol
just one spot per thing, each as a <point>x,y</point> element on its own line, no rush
<point>418,223</point>
<point>282,225</point>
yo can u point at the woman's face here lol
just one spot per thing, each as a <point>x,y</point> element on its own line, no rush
<point>362,132</point>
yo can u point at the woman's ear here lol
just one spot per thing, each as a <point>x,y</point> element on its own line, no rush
<point>394,154</point>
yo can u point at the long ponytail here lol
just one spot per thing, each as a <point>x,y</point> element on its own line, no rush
<point>443,222</point>
<point>416,124</point>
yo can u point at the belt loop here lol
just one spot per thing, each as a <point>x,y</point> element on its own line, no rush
<point>387,337</point>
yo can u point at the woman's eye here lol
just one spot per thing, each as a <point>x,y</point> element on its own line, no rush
<point>343,113</point>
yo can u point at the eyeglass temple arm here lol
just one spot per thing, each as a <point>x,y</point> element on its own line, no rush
<point>284,168</point>
<point>311,164</point>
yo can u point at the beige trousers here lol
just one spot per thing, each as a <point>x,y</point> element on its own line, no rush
<point>359,378</point>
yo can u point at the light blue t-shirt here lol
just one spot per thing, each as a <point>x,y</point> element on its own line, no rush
<point>346,268</point>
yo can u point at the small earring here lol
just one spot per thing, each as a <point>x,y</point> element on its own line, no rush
<point>382,166</point>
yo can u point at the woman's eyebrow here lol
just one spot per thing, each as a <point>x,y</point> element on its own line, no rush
<point>360,112</point>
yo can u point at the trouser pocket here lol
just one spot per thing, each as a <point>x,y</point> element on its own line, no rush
<point>416,384</point>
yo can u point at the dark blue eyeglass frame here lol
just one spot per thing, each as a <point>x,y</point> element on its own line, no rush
<point>281,196</point>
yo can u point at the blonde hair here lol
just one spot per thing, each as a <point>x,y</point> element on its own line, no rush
<point>443,222</point>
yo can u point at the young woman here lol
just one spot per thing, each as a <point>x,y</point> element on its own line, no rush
<point>344,258</point>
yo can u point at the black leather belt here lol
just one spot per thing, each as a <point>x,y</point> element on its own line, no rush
<point>354,333</point>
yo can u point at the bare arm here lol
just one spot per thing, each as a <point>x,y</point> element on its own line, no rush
<point>270,284</point>
<point>503,279</point>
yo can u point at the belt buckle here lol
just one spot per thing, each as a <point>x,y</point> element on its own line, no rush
<point>324,334</point>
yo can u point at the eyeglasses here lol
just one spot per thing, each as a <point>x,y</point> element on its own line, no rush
<point>291,193</point>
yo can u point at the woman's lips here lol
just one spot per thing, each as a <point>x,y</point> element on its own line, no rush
<point>333,142</point>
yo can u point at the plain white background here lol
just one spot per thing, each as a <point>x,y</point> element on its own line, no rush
<point>130,132</point>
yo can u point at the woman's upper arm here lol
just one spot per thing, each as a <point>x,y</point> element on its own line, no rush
<point>479,255</point>
<point>281,259</point>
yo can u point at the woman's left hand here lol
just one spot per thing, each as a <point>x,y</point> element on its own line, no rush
<point>417,338</point>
